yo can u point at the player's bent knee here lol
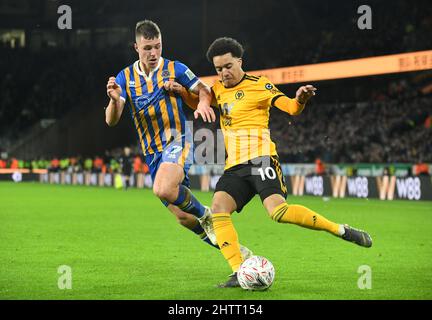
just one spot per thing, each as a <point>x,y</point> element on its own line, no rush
<point>216,208</point>
<point>220,208</point>
<point>223,203</point>
<point>163,192</point>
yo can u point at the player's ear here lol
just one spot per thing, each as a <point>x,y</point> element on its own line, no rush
<point>136,46</point>
<point>240,62</point>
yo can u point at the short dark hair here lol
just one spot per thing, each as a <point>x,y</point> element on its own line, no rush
<point>148,29</point>
<point>224,45</point>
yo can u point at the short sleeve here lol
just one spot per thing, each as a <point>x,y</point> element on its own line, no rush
<point>185,76</point>
<point>121,81</point>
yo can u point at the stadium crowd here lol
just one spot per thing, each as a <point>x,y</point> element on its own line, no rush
<point>114,161</point>
<point>392,128</point>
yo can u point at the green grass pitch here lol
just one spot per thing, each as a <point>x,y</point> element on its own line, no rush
<point>126,245</point>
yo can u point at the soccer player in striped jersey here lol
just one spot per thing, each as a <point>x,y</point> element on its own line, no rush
<point>160,123</point>
<point>252,165</point>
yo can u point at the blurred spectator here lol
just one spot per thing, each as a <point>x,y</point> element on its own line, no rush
<point>97,164</point>
<point>73,162</point>
<point>126,166</point>
<point>421,169</point>
<point>54,165</point>
<point>428,122</point>
<point>319,167</point>
<point>14,164</point>
<point>115,165</point>
<point>88,164</point>
<point>107,161</point>
<point>64,164</point>
<point>137,164</point>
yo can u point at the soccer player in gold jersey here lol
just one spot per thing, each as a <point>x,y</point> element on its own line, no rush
<point>252,166</point>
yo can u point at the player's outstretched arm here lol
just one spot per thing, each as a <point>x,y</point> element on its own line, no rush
<point>295,106</point>
<point>115,107</point>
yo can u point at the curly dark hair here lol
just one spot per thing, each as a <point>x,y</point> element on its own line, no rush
<point>225,45</point>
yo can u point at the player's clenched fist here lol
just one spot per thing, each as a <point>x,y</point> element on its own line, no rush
<point>172,86</point>
<point>113,89</point>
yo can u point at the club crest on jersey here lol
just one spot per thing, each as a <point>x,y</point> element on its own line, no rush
<point>269,86</point>
<point>239,94</point>
<point>165,74</point>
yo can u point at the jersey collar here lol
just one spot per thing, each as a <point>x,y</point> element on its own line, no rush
<point>142,73</point>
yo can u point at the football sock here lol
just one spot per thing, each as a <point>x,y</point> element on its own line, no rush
<point>188,203</point>
<point>201,233</point>
<point>227,239</point>
<point>305,217</point>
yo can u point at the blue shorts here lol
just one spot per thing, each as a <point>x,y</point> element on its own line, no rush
<point>177,151</point>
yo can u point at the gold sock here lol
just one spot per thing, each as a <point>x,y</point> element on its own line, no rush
<point>304,217</point>
<point>227,239</point>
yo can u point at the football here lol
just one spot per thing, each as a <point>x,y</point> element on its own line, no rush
<point>256,273</point>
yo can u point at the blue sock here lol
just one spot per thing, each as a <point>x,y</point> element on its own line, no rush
<point>188,203</point>
<point>200,231</point>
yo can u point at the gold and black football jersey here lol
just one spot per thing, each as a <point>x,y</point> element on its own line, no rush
<point>245,110</point>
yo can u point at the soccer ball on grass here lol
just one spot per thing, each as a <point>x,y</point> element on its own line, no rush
<point>256,273</point>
